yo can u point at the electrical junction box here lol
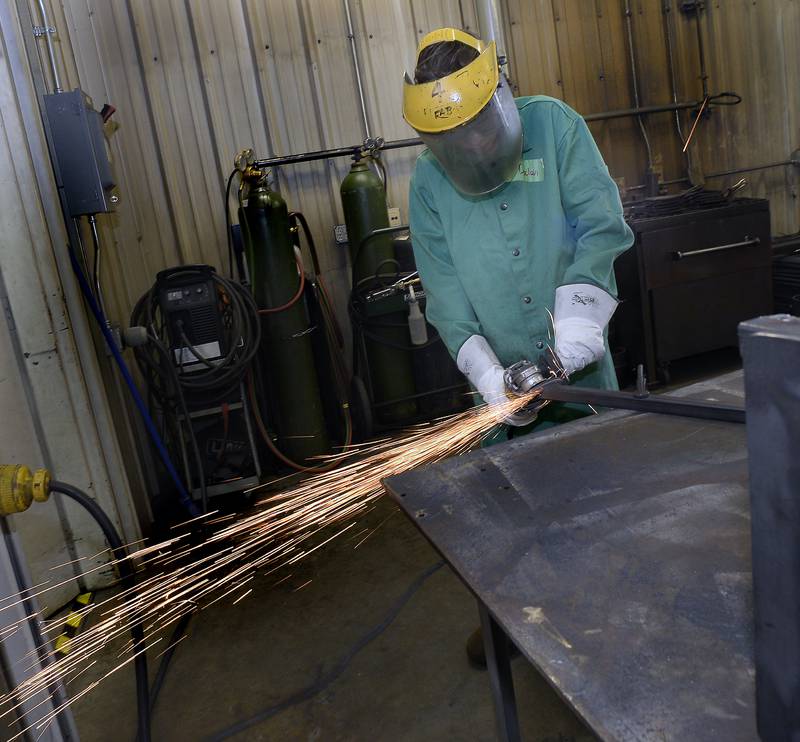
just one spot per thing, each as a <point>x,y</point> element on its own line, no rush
<point>83,168</point>
<point>340,234</point>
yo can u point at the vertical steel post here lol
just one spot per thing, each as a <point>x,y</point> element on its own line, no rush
<point>498,664</point>
<point>771,350</point>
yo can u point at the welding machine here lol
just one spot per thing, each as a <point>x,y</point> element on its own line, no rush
<point>203,333</point>
<point>187,298</point>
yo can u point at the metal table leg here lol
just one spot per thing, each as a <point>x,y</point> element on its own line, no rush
<point>498,663</point>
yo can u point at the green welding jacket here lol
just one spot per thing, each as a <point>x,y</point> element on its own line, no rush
<point>490,265</point>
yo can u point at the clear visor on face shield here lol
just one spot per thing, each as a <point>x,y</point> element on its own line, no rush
<point>482,154</point>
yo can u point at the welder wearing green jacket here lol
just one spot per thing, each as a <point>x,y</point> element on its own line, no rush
<point>513,215</point>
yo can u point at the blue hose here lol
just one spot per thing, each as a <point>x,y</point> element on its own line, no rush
<point>183,495</point>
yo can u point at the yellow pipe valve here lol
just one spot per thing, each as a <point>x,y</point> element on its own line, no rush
<point>19,487</point>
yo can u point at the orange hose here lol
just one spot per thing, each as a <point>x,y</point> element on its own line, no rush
<point>251,388</point>
<point>295,298</point>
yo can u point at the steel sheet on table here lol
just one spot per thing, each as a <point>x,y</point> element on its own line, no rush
<point>615,552</point>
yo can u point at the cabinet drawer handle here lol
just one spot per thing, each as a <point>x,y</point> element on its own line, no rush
<point>747,242</point>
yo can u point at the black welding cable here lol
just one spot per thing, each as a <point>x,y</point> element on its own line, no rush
<point>375,234</point>
<point>244,339</point>
<point>363,323</point>
<point>175,391</point>
<point>380,340</point>
<point>215,380</point>
<point>177,634</point>
<point>228,234</point>
<point>129,578</point>
<point>244,336</point>
<point>332,327</point>
<point>299,218</point>
<point>307,693</point>
<point>184,409</point>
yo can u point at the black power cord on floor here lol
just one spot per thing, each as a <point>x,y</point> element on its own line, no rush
<point>307,693</point>
<point>177,634</point>
<point>129,579</point>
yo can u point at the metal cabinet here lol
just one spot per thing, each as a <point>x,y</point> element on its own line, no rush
<point>688,281</point>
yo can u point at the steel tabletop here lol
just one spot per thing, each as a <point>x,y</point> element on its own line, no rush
<point>615,553</point>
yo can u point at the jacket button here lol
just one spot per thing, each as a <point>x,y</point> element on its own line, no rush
<point>539,345</point>
<point>526,299</point>
<point>515,252</point>
<point>503,206</point>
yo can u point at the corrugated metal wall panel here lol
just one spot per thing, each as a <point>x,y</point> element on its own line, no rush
<point>760,130</point>
<point>287,92</point>
<point>55,414</point>
<point>389,51</point>
<point>579,51</point>
<point>184,128</point>
<point>533,48</point>
<point>223,47</point>
<point>151,236</point>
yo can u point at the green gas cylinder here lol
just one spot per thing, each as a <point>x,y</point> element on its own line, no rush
<point>287,351</point>
<point>390,366</point>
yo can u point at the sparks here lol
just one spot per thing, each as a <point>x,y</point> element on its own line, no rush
<point>178,576</point>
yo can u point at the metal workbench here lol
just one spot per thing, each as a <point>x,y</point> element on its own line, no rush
<point>615,553</point>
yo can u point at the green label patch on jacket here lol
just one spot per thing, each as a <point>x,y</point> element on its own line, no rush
<point>530,171</point>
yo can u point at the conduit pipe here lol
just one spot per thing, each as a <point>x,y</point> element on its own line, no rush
<point>357,68</point>
<point>635,81</point>
<point>491,29</point>
<point>47,30</point>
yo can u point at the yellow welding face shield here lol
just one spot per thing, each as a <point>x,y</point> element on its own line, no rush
<point>468,118</point>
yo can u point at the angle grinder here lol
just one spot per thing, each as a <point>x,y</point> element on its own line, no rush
<point>523,377</point>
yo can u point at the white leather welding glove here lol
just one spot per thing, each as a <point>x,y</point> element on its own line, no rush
<point>581,314</point>
<point>478,362</point>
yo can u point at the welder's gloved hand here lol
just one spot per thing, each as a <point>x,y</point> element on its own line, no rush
<point>581,314</point>
<point>478,362</point>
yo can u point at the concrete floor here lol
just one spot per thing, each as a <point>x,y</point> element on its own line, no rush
<point>412,682</point>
